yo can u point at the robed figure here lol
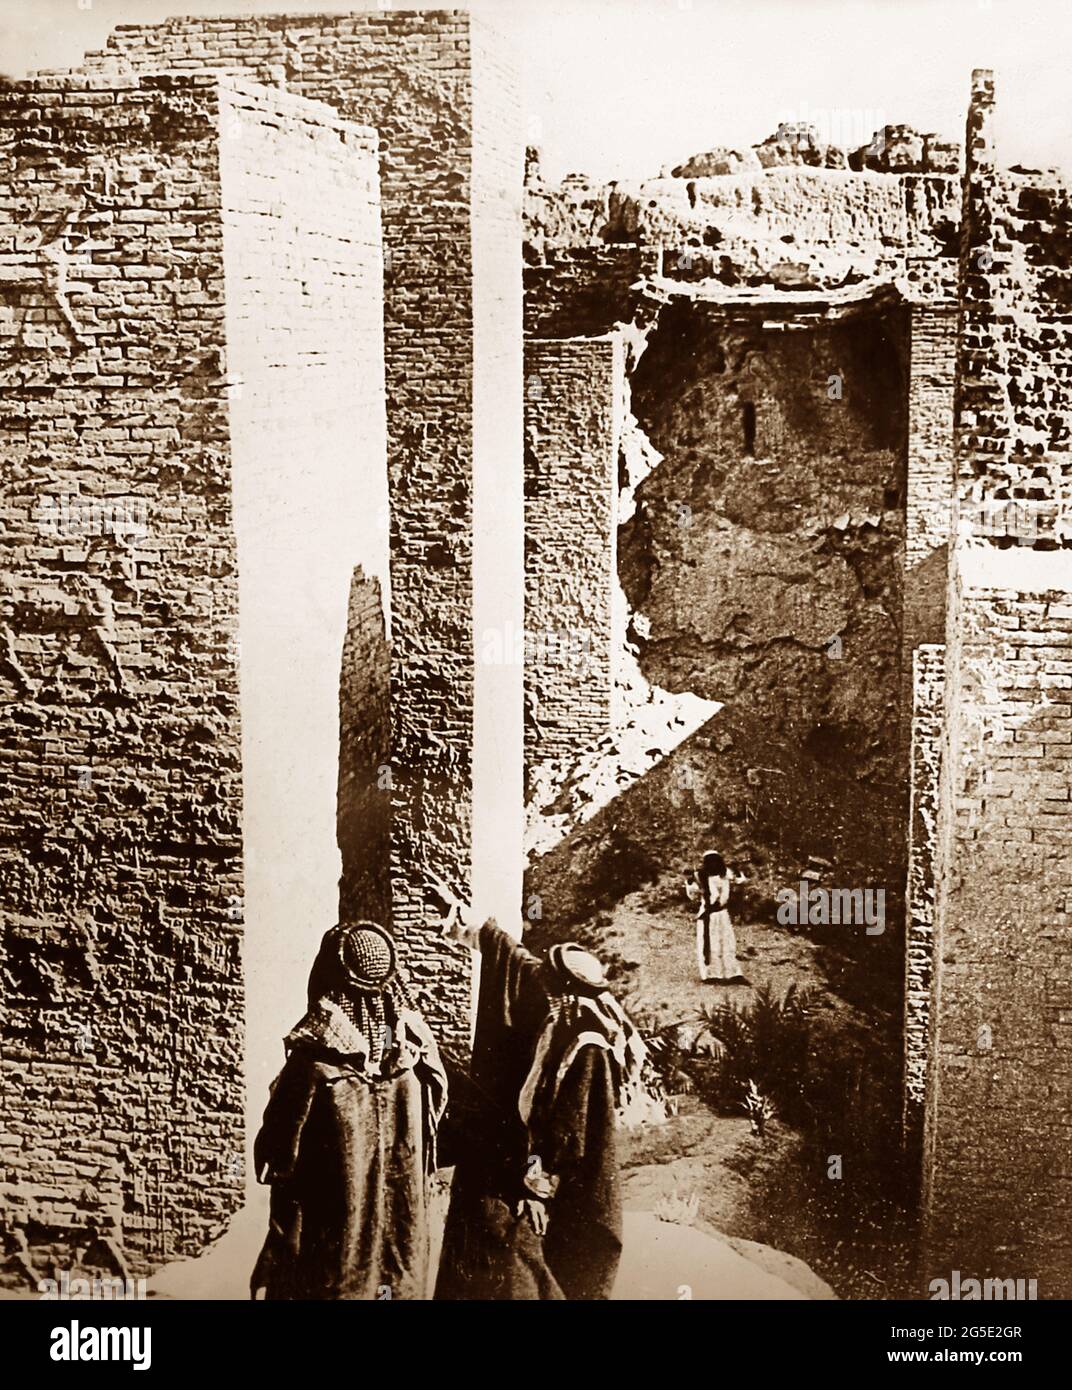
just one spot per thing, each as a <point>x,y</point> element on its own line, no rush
<point>716,944</point>
<point>348,1139</point>
<point>535,1209</point>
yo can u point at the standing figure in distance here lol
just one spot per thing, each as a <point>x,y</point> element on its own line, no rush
<point>348,1139</point>
<point>716,946</point>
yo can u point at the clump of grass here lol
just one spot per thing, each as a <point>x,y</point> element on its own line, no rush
<point>759,1109</point>
<point>682,1211</point>
<point>766,1043</point>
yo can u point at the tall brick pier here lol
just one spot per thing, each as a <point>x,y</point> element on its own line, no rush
<point>998,1137</point>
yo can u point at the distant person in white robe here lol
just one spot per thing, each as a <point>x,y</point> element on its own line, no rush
<point>716,946</point>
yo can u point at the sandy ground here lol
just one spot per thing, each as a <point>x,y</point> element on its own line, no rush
<point>744,1187</point>
<point>661,1260</point>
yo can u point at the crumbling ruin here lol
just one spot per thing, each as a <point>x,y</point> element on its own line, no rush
<point>263,318</point>
<point>253,270</point>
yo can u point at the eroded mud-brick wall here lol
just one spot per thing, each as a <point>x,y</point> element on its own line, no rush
<point>436,87</point>
<point>121,874</point>
<point>767,548</point>
<point>998,1181</point>
<point>573,393</point>
<point>928,671</point>
<point>584,291</point>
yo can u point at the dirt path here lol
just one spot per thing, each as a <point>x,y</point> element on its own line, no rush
<point>746,1187</point>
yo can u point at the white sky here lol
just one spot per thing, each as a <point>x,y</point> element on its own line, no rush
<point>618,88</point>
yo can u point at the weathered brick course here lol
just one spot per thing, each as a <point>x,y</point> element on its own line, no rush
<point>573,396</point>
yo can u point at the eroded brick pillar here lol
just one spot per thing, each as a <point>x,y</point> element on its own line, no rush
<point>121,882</point>
<point>997,1170</point>
<point>573,395</point>
<point>928,674</point>
<point>929,486</point>
<point>441,91</point>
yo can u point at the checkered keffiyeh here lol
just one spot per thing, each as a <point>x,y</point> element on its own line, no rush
<point>367,956</point>
<point>356,972</point>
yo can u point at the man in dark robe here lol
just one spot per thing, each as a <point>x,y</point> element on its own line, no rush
<point>348,1138</point>
<point>535,1210</point>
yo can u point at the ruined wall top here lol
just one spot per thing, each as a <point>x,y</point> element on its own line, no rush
<point>1014,386</point>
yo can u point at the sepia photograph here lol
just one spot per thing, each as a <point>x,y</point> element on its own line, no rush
<point>536,669</point>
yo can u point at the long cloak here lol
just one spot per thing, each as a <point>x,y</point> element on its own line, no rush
<point>489,1252</point>
<point>347,1154</point>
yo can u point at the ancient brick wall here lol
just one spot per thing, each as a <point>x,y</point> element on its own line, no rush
<point>573,391</point>
<point>792,228</point>
<point>121,879</point>
<point>928,672</point>
<point>410,75</point>
<point>774,523</point>
<point>305,395</point>
<point>998,1187</point>
<point>195,411</point>
<point>929,479</point>
<point>584,291</point>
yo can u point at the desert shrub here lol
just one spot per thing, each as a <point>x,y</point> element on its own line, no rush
<point>767,1042</point>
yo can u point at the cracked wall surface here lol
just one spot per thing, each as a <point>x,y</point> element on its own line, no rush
<point>766,551</point>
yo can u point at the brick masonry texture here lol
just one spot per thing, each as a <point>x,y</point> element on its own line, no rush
<point>928,499</point>
<point>193,310</point>
<point>997,1178</point>
<point>928,666</point>
<point>929,482</point>
<point>121,1108</point>
<point>410,75</point>
<point>573,392</point>
<point>1014,388</point>
<point>585,291</point>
